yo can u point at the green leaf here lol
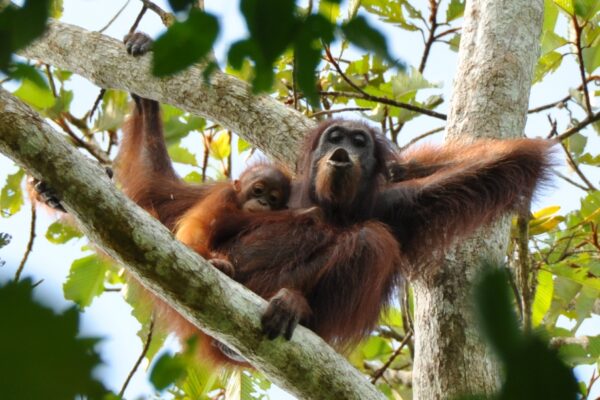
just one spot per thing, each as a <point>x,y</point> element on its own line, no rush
<point>220,147</point>
<point>40,98</point>
<point>21,71</point>
<point>184,43</point>
<point>550,16</point>
<point>143,304</point>
<point>43,356</point>
<point>193,177</point>
<point>567,5</point>
<point>551,41</point>
<point>182,155</point>
<point>243,145</point>
<point>11,196</point>
<point>455,10</point>
<point>547,63</point>
<point>56,9</point>
<point>330,10</point>
<point>59,233</point>
<point>86,280</point>
<point>181,5</point>
<point>19,26</point>
<point>360,33</point>
<point>543,297</point>
<point>586,9</point>
<point>167,370</point>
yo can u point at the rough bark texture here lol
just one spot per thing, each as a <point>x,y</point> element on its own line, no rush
<point>261,120</point>
<point>305,366</point>
<point>498,51</point>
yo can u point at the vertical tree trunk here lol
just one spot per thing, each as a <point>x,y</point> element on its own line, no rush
<point>498,51</point>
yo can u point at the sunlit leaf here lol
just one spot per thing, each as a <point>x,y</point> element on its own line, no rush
<point>115,105</point>
<point>60,233</point>
<point>182,155</point>
<point>543,297</point>
<point>455,10</point>
<point>38,97</point>
<point>11,196</point>
<point>220,147</point>
<point>567,5</point>
<point>547,63</point>
<point>86,280</point>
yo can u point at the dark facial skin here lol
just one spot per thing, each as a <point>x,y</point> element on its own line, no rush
<point>262,189</point>
<point>342,160</point>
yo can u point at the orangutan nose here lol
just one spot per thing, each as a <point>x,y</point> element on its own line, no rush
<point>340,159</point>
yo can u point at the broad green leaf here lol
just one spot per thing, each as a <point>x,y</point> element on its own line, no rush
<point>576,143</point>
<point>454,43</point>
<point>200,380</point>
<point>180,5</point>
<point>86,280</point>
<point>360,33</point>
<point>60,233</point>
<point>376,347</point>
<point>220,147</point>
<point>329,10</point>
<point>143,304</point>
<point>544,220</point>
<point>11,196</point>
<point>182,155</point>
<point>543,297</point>
<point>243,145</point>
<point>455,10</point>
<point>567,5</point>
<point>62,103</point>
<point>21,72</point>
<point>586,9</point>
<point>56,9</point>
<point>43,354</point>
<point>546,212</point>
<point>591,43</point>
<point>551,41</point>
<point>550,16</point>
<point>167,370</point>
<point>547,63</point>
<point>392,11</point>
<point>576,274</point>
<point>405,83</point>
<point>38,97</point>
<point>20,26</point>
<point>184,43</point>
<point>193,177</point>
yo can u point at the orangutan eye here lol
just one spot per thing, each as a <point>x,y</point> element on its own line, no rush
<point>335,136</point>
<point>359,140</point>
<point>258,189</point>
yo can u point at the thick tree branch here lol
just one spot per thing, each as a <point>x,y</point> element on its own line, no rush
<point>305,366</point>
<point>261,120</point>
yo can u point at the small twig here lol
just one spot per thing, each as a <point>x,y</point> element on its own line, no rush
<point>116,289</point>
<point>576,168</point>
<point>447,32</point>
<point>51,80</point>
<point>574,129</point>
<point>564,99</point>
<point>342,74</point>
<point>569,180</point>
<point>29,243</point>
<point>96,104</point>
<point>390,102</point>
<point>578,29</point>
<point>109,23</point>
<point>96,153</point>
<point>338,110</point>
<point>524,266</point>
<point>379,373</point>
<point>592,381</point>
<point>422,136</point>
<point>138,19</point>
<point>140,358</point>
<point>433,5</point>
<point>166,18</point>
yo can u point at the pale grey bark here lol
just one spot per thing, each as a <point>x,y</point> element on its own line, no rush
<point>498,51</point>
<point>261,120</point>
<point>305,366</point>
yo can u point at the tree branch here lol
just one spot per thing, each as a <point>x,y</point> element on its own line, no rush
<point>305,366</point>
<point>260,120</point>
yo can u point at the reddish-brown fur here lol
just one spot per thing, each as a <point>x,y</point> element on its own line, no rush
<point>335,270</point>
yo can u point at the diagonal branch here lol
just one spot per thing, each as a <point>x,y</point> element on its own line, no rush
<point>305,366</point>
<point>261,120</point>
